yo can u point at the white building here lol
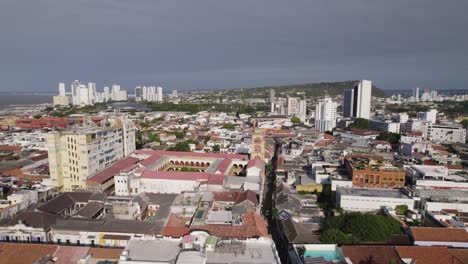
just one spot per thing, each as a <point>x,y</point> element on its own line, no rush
<point>325,115</point>
<point>24,197</point>
<point>385,126</point>
<point>357,101</point>
<point>371,199</point>
<point>160,94</point>
<point>430,116</point>
<point>446,134</point>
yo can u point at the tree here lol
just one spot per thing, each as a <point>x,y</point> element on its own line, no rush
<point>179,134</point>
<point>335,236</point>
<point>154,138</point>
<point>229,126</point>
<point>360,123</point>
<point>295,120</point>
<point>401,209</point>
<point>464,123</point>
<point>393,138</point>
<point>216,148</point>
<point>359,227</point>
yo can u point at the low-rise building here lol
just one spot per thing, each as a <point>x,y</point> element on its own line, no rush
<point>371,199</point>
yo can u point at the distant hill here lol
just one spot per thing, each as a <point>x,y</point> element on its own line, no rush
<point>309,90</point>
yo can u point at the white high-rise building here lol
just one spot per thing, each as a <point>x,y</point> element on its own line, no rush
<point>84,95</point>
<point>272,95</point>
<point>325,115</point>
<point>293,106</point>
<point>430,116</point>
<point>75,90</point>
<point>106,94</point>
<point>416,94</point>
<point>174,93</point>
<point>62,89</point>
<point>115,92</point>
<point>160,94</point>
<point>92,92</point>
<point>357,101</point>
<point>302,110</point>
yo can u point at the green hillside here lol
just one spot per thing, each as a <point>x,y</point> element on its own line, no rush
<point>308,90</point>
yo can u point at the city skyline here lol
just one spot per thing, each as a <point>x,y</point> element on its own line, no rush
<point>177,45</point>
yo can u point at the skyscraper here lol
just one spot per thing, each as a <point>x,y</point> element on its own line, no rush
<point>160,94</point>
<point>75,90</point>
<point>62,89</point>
<point>325,115</point>
<point>416,94</point>
<point>357,101</point>
<point>138,93</point>
<point>272,95</point>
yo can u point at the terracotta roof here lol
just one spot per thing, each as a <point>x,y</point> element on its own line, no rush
<point>104,175</point>
<point>10,148</point>
<point>428,255</point>
<point>461,254</point>
<point>254,225</point>
<point>372,254</point>
<point>256,163</point>
<point>175,226</point>
<point>12,253</point>
<point>439,234</point>
<point>105,253</point>
<point>224,165</point>
<point>236,197</point>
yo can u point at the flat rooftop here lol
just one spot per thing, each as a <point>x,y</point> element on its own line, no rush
<point>153,250</point>
<point>374,192</point>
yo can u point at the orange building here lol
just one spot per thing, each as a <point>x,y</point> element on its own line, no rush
<point>374,172</point>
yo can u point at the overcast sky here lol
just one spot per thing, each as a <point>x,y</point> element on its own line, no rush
<point>201,44</point>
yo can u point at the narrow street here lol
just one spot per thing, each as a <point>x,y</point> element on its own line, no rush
<point>268,206</point>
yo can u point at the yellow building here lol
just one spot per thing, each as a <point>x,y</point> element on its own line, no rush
<point>61,100</point>
<point>310,187</point>
<point>74,155</point>
<point>257,147</point>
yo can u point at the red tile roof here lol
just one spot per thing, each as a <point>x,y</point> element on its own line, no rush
<point>439,234</point>
<point>224,165</point>
<point>428,255</point>
<point>256,163</point>
<point>10,148</point>
<point>113,170</point>
<point>372,254</point>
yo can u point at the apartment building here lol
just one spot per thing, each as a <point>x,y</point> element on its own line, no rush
<point>76,154</point>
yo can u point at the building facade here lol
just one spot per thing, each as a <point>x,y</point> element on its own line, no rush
<point>75,155</point>
<point>357,101</point>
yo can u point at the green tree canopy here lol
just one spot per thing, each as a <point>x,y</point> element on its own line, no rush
<point>359,227</point>
<point>401,209</point>
<point>229,126</point>
<point>393,138</point>
<point>360,123</point>
<point>295,120</point>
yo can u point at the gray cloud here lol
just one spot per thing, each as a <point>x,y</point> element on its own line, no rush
<point>220,44</point>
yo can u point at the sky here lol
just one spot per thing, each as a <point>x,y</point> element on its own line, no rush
<point>211,44</point>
